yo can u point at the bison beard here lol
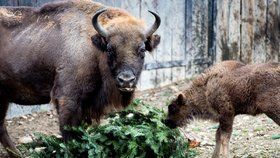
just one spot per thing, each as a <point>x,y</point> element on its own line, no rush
<point>83,58</point>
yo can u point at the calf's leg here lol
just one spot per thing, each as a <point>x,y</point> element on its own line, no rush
<point>274,115</point>
<point>4,137</point>
<point>272,110</point>
<point>223,135</point>
<point>269,103</point>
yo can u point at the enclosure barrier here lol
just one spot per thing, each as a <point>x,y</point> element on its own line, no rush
<point>197,33</point>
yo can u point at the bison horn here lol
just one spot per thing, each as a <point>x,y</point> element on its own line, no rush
<point>155,25</point>
<point>96,25</point>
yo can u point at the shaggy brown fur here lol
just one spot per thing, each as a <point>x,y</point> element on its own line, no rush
<point>54,53</point>
<point>226,90</point>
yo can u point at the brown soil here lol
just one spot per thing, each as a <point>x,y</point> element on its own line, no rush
<point>251,136</point>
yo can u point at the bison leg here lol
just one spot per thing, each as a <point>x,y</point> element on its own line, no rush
<point>223,135</point>
<point>69,115</point>
<point>274,115</point>
<point>4,137</point>
<point>272,109</point>
<point>269,104</point>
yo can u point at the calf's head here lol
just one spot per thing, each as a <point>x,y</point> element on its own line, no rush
<point>180,111</point>
<point>125,40</point>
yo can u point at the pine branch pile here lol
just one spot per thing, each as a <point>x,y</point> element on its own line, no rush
<point>135,132</point>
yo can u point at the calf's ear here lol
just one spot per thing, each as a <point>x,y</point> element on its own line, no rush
<point>99,42</point>
<point>152,42</point>
<point>181,99</point>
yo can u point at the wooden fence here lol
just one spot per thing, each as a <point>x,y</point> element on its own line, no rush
<point>197,33</point>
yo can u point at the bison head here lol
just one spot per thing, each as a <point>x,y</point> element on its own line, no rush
<point>180,111</point>
<point>125,41</point>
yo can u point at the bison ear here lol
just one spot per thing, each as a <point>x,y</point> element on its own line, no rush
<point>100,42</point>
<point>152,42</point>
<point>181,99</point>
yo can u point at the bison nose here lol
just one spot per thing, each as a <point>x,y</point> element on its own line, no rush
<point>126,79</point>
<point>169,123</point>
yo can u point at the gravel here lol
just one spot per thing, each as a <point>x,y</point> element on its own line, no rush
<point>252,137</point>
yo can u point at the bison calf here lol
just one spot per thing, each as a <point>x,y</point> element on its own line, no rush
<point>224,91</point>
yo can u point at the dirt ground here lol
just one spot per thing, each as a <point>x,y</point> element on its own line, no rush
<point>251,138</point>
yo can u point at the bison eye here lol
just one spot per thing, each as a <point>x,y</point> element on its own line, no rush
<point>172,109</point>
<point>142,51</point>
<point>109,48</point>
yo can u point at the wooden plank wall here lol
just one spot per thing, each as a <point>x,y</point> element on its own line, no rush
<point>34,3</point>
<point>248,30</point>
<point>197,33</point>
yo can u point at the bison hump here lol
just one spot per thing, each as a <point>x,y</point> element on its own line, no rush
<point>10,18</point>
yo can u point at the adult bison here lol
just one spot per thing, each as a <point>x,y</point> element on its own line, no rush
<point>82,56</point>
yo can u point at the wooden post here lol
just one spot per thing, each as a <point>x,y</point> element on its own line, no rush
<point>199,35</point>
<point>259,48</point>
<point>177,38</point>
<point>272,32</point>
<point>234,21</point>
<point>222,51</point>
<point>188,37</point>
<point>247,33</point>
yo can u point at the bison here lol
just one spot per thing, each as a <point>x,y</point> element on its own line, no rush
<point>81,56</point>
<point>228,89</point>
